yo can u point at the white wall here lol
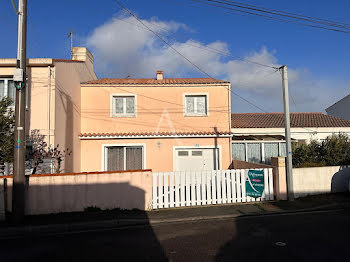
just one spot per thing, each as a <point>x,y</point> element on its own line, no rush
<point>318,133</point>
<point>340,108</point>
<point>319,180</point>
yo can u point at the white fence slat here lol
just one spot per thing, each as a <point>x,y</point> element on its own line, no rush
<point>171,189</point>
<point>213,187</point>
<point>160,188</point>
<point>198,188</point>
<point>238,184</point>
<point>233,185</point>
<point>193,188</point>
<point>203,187</point>
<point>182,188</point>
<point>177,188</point>
<point>155,191</point>
<point>243,191</point>
<point>208,181</point>
<point>266,185</point>
<point>228,184</point>
<point>223,186</point>
<point>188,188</point>
<point>218,186</point>
<point>271,184</point>
<point>166,190</point>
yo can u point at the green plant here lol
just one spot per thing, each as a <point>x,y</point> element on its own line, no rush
<point>7,123</point>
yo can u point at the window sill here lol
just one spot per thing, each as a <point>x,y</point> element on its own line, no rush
<point>194,115</point>
<point>124,116</point>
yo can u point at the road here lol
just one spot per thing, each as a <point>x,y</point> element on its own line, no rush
<point>316,236</point>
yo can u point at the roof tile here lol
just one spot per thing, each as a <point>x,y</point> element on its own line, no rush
<point>276,120</point>
<point>153,81</point>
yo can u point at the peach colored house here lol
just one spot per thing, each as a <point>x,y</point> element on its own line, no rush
<point>163,124</point>
<point>54,98</point>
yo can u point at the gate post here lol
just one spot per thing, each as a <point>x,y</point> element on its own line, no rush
<point>279,177</point>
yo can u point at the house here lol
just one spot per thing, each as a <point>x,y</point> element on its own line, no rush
<point>340,108</point>
<point>259,136</point>
<point>53,98</point>
<point>160,123</point>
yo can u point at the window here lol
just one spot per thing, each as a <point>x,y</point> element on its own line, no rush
<point>238,151</point>
<point>123,158</point>
<point>182,153</point>
<point>197,153</point>
<point>123,106</point>
<point>7,88</point>
<point>196,105</point>
<point>270,150</point>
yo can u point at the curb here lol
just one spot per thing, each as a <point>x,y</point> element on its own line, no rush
<point>72,228</point>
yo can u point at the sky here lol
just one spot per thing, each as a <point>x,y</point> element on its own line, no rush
<point>318,61</point>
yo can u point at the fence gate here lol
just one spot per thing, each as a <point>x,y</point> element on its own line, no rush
<point>194,188</point>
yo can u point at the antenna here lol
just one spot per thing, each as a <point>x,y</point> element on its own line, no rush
<point>70,35</point>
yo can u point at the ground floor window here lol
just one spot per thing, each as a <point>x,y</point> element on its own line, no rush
<point>258,152</point>
<point>123,158</point>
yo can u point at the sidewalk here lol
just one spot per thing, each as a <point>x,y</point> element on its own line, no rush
<point>96,219</point>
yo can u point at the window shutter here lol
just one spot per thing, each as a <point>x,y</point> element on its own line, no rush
<point>115,158</point>
<point>2,89</point>
<point>133,158</point>
<point>11,91</point>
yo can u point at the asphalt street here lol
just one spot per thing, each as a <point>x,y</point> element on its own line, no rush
<point>309,236</point>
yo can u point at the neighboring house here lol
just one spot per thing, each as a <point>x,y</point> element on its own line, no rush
<point>53,98</point>
<point>341,108</point>
<point>164,124</point>
<point>259,136</point>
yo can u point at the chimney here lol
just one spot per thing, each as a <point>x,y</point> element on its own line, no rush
<point>83,54</point>
<point>159,75</point>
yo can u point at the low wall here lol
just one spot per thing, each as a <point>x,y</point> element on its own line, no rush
<point>55,193</point>
<point>2,199</point>
<point>238,164</point>
<point>319,180</point>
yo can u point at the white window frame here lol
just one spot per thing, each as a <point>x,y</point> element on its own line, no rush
<point>6,79</point>
<point>262,147</point>
<point>112,105</point>
<point>196,114</point>
<point>104,153</point>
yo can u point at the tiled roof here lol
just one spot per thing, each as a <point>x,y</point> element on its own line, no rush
<point>276,120</point>
<point>153,81</point>
<point>67,60</point>
<point>159,134</point>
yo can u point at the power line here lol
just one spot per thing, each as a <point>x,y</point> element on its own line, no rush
<point>233,10</point>
<point>193,64</point>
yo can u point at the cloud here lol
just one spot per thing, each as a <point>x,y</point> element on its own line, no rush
<point>123,47</point>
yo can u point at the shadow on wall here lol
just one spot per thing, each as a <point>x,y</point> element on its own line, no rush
<point>340,180</point>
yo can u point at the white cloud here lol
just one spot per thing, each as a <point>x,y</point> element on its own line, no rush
<point>123,47</point>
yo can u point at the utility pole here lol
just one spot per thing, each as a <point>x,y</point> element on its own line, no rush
<point>287,132</point>
<point>19,77</point>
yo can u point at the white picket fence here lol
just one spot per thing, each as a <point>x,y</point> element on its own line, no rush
<point>194,188</point>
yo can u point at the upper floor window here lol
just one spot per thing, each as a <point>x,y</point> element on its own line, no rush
<point>123,106</point>
<point>7,88</point>
<point>196,105</point>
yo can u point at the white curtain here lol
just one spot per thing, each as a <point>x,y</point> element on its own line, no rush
<point>271,150</point>
<point>2,88</point>
<point>238,151</point>
<point>283,150</point>
<point>201,105</point>
<point>133,158</point>
<point>119,105</point>
<point>11,91</point>
<point>254,152</point>
<point>130,105</point>
<point>190,104</point>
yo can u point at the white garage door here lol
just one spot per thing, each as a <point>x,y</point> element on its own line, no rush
<point>196,159</point>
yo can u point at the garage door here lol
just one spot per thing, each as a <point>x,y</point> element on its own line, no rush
<point>196,159</point>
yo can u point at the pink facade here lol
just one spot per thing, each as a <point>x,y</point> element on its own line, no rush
<point>162,124</point>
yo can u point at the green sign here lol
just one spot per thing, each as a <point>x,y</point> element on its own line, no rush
<point>254,184</point>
